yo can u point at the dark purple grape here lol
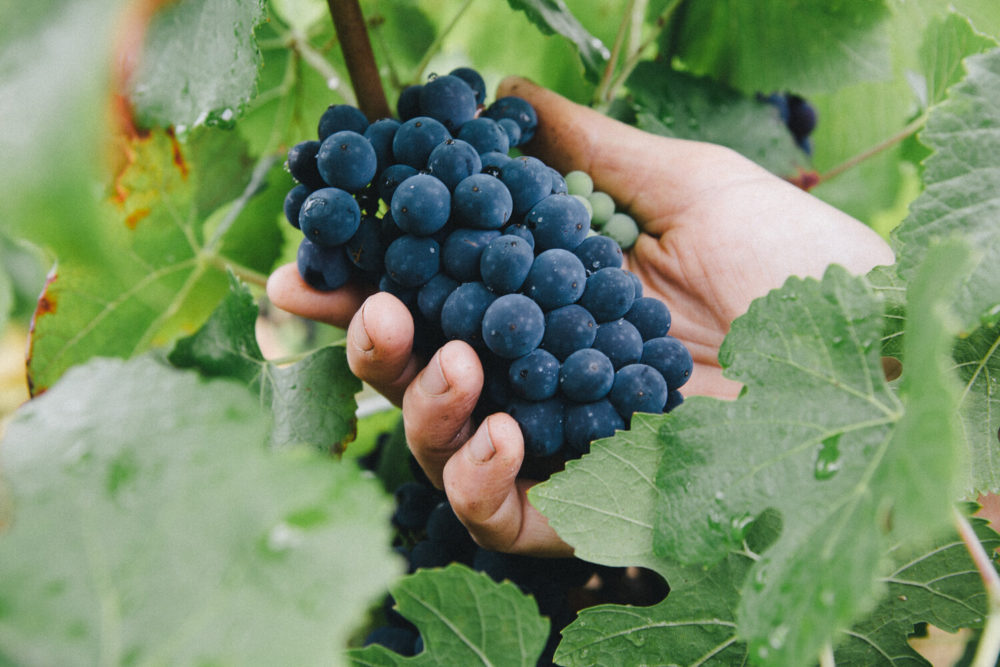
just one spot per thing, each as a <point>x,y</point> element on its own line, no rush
<point>535,376</point>
<point>329,217</point>
<point>586,375</point>
<point>556,278</point>
<point>541,425</point>
<point>473,79</point>
<point>669,356</point>
<point>558,221</point>
<point>517,109</point>
<point>620,341</point>
<point>449,100</point>
<point>421,205</point>
<point>505,262</point>
<point>339,117</point>
<point>462,251</point>
<point>586,422</point>
<point>416,138</point>
<point>322,268</point>
<point>568,329</point>
<point>453,160</point>
<point>412,260</point>
<point>346,160</point>
<point>599,252</point>
<point>638,388</point>
<point>301,163</point>
<point>293,203</point>
<point>482,201</point>
<point>463,310</point>
<point>650,316</point>
<point>513,325</point>
<point>608,294</point>
<point>485,135</point>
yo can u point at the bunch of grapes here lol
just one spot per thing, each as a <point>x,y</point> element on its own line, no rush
<point>490,247</point>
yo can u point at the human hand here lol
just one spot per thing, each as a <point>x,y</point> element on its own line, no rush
<point>718,232</point>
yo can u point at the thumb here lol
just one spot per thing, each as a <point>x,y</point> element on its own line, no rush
<point>622,160</point>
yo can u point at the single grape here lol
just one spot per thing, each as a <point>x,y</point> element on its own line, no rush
<point>301,164</point>
<point>586,422</point>
<point>473,79</point>
<point>608,294</point>
<point>346,160</point>
<point>638,388</point>
<point>494,162</point>
<point>365,249</point>
<point>558,221</point>
<point>669,356</point>
<point>421,205</point>
<point>485,135</point>
<point>520,230</point>
<point>568,329</point>
<point>293,203</point>
<point>453,160</point>
<point>431,297</point>
<point>380,134</point>
<point>443,526</point>
<point>408,295</point>
<point>482,201</point>
<point>674,398</point>
<point>322,268</point>
<point>586,375</point>
<point>408,103</point>
<point>603,207</point>
<point>416,138</point>
<point>650,316</point>
<point>535,376</point>
<point>556,278</point>
<point>339,117</point>
<point>513,326</point>
<point>390,178</point>
<point>463,310</point>
<point>620,341</point>
<point>623,229</point>
<point>505,262</point>
<point>412,260</point>
<point>598,252</point>
<point>579,183</point>
<point>329,216</point>
<point>449,100</point>
<point>462,251</point>
<point>512,129</point>
<point>541,425</point>
<point>559,186</point>
<point>528,180</point>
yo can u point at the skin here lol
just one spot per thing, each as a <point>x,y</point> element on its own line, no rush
<point>718,231</point>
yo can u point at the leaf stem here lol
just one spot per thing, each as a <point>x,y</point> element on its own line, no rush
<point>315,59</point>
<point>826,658</point>
<point>616,51</point>
<point>359,57</point>
<point>438,40</point>
<point>244,273</point>
<point>255,184</point>
<point>854,161</point>
<point>989,642</point>
<point>636,55</point>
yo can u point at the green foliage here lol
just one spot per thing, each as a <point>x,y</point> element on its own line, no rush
<point>150,524</point>
<point>312,400</point>
<point>153,514</point>
<point>465,618</point>
<point>199,63</point>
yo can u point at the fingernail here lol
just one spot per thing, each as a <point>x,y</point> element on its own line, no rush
<point>480,446</point>
<point>360,333</point>
<point>432,380</point>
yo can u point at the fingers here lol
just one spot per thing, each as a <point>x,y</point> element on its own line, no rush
<point>380,345</point>
<point>622,160</point>
<point>482,486</point>
<point>437,406</point>
<point>287,290</point>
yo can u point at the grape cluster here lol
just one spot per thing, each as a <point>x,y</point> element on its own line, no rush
<point>488,246</point>
<point>429,534</point>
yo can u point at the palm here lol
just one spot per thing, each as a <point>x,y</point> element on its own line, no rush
<point>719,231</point>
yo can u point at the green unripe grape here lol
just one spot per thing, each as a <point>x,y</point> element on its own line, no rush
<point>586,204</point>
<point>623,229</point>
<point>579,183</point>
<point>603,207</point>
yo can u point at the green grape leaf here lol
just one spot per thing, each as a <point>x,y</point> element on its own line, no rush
<point>465,618</point>
<point>977,358</point>
<point>748,45</point>
<point>677,104</point>
<point>947,41</point>
<point>694,625</point>
<point>962,183</point>
<point>199,63</point>
<point>846,463</point>
<point>553,16</point>
<point>938,585</point>
<point>312,399</point>
<point>150,524</point>
<point>603,504</point>
<point>162,265</point>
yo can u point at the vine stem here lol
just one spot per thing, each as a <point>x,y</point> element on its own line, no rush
<point>359,57</point>
<point>635,57</point>
<point>854,161</point>
<point>616,51</point>
<point>989,642</point>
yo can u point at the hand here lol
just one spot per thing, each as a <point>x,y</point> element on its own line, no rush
<point>718,232</point>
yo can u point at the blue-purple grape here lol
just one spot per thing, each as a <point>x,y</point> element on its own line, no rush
<point>568,329</point>
<point>556,278</point>
<point>535,376</point>
<point>329,217</point>
<point>586,375</point>
<point>513,326</point>
<point>505,262</point>
<point>412,260</point>
<point>608,294</point>
<point>346,160</point>
<point>322,268</point>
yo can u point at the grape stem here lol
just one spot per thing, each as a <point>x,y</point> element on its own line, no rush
<point>352,33</point>
<point>854,161</point>
<point>989,642</point>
